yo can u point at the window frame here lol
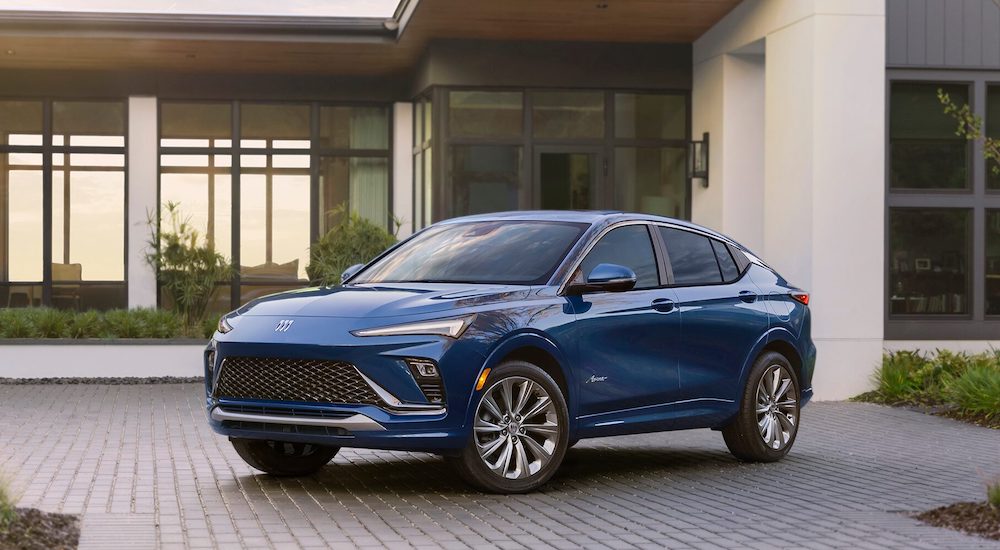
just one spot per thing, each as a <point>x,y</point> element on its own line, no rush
<point>47,149</point>
<point>236,151</point>
<point>975,325</point>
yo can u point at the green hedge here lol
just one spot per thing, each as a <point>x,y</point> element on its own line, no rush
<point>117,323</point>
<point>967,383</point>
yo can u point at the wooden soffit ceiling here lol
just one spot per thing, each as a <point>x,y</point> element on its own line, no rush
<point>333,46</point>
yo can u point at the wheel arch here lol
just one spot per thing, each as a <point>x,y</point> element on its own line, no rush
<point>778,340</point>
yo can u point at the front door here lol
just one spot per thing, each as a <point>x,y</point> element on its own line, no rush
<point>568,178</point>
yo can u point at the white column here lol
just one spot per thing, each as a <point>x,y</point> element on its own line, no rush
<point>142,193</point>
<point>402,166</point>
<point>797,162</point>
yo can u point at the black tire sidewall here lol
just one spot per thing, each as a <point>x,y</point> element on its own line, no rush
<point>259,454</point>
<point>471,465</point>
<point>750,445</point>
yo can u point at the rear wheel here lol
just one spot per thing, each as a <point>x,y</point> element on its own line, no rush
<point>520,431</point>
<point>282,458</point>
<point>765,427</point>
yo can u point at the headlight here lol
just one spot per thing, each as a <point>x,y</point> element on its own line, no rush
<point>452,328</point>
<point>227,321</point>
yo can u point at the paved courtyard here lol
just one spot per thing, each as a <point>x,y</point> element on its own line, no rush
<point>141,466</point>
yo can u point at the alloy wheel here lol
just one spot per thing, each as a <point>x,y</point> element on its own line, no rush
<point>777,411</point>
<point>516,428</point>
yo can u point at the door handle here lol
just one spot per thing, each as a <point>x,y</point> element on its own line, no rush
<point>748,296</point>
<point>663,304</point>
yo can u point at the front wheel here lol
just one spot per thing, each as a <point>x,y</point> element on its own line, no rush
<point>282,458</point>
<point>768,420</point>
<point>520,431</point>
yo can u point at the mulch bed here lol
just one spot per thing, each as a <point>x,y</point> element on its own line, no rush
<point>37,530</point>
<point>974,518</point>
<point>124,381</point>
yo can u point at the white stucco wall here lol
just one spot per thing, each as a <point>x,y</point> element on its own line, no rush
<point>818,216</point>
<point>142,198</point>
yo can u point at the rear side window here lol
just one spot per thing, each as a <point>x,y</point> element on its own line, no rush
<point>692,257</point>
<point>742,262</point>
<point>730,272</point>
<point>628,246</point>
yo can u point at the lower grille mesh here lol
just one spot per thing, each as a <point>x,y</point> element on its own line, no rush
<point>303,380</point>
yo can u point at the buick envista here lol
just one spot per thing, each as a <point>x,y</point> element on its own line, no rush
<point>500,340</point>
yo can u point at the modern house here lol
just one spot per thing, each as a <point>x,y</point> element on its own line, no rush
<point>827,150</point>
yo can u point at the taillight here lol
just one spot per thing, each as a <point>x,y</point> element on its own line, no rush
<point>800,297</point>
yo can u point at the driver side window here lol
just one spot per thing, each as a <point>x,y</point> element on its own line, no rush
<point>628,246</point>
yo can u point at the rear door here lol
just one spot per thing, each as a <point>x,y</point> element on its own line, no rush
<point>722,313</point>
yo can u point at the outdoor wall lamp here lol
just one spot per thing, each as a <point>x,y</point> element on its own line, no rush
<point>698,160</point>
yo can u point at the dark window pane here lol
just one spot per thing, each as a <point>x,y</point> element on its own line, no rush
<point>485,114</point>
<point>650,116</point>
<point>993,131</point>
<point>88,123</point>
<point>20,295</point>
<point>691,257</point>
<point>21,218</point>
<point>271,125</point>
<point>219,304</point>
<point>629,246</point>
<point>195,124</point>
<point>353,128</point>
<point>88,217</point>
<point>741,260</point>
<point>508,252</point>
<point>730,272</point>
<point>928,260</point>
<point>993,262</point>
<point>361,184</point>
<point>560,115</point>
<point>925,153</point>
<point>566,180</point>
<point>82,297</point>
<point>20,122</point>
<point>484,178</point>
<point>651,180</point>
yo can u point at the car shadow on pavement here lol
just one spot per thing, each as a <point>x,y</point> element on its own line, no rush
<point>421,474</point>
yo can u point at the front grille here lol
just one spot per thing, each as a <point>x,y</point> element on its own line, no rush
<point>303,380</point>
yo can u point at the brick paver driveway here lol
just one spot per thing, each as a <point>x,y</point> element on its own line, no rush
<point>143,468</point>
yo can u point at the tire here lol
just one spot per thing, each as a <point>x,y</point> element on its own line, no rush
<point>748,436</point>
<point>523,457</point>
<point>283,459</point>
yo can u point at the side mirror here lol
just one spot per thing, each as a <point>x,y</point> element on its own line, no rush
<point>607,278</point>
<point>350,272</point>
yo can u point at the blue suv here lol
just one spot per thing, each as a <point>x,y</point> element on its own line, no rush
<point>499,341</point>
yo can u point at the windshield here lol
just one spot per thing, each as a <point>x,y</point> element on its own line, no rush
<point>499,252</point>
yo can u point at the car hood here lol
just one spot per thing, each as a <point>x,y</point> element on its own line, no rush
<point>383,300</point>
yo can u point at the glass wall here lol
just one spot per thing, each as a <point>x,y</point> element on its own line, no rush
<point>289,176</point>
<point>943,245</point>
<point>504,149</point>
<point>62,204</point>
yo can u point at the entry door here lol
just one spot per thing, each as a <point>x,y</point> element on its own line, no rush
<point>568,178</point>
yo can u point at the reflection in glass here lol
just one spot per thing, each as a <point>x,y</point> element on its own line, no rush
<point>287,125</point>
<point>89,123</point>
<point>88,218</point>
<point>651,180</point>
<point>566,180</point>
<point>484,178</point>
<point>353,128</point>
<point>360,183</point>
<point>485,114</point>
<point>992,129</point>
<point>628,246</point>
<point>274,219</point>
<point>20,123</point>
<point>559,115</point>
<point>650,116</point>
<point>924,151</point>
<point>928,260</point>
<point>692,257</point>
<point>201,186</point>
<point>21,231</point>
<point>993,262</point>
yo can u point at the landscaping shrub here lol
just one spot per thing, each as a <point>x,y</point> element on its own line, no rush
<point>7,511</point>
<point>119,323</point>
<point>186,265</point>
<point>355,240</point>
<point>977,390</point>
<point>899,377</point>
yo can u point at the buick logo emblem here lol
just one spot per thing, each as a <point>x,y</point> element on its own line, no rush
<point>284,325</point>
